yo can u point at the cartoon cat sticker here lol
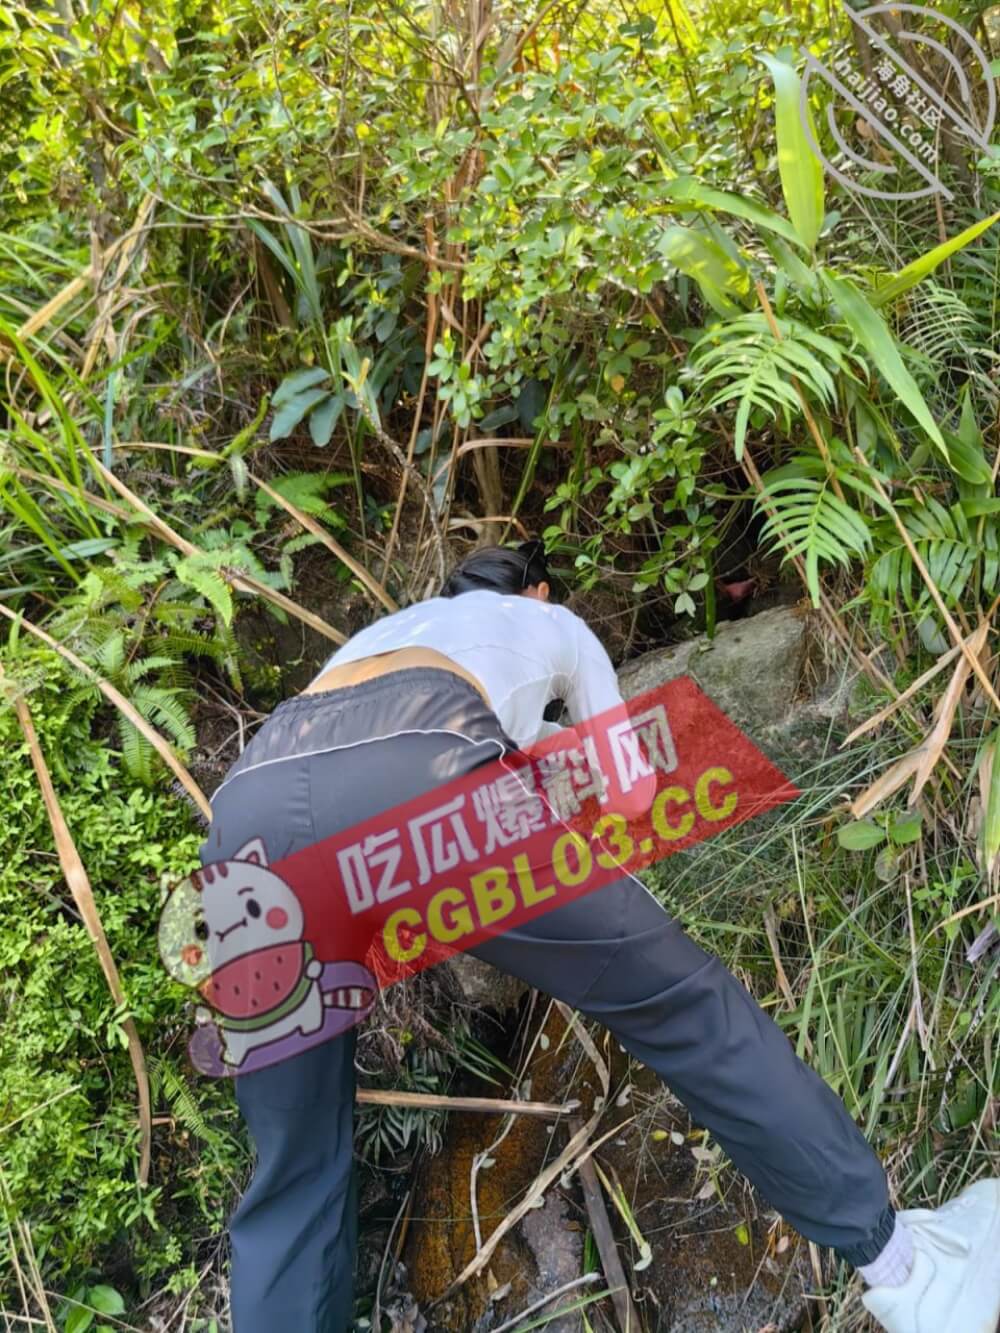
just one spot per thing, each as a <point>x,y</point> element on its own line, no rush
<point>234,931</point>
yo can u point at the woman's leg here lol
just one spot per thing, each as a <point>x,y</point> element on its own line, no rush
<point>618,957</point>
<point>314,770</point>
<point>295,1230</point>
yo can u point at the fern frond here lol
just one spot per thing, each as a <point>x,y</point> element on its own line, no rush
<point>757,368</point>
<point>137,752</point>
<point>200,575</point>
<point>946,545</point>
<point>809,520</point>
<point>166,709</point>
<point>183,1106</point>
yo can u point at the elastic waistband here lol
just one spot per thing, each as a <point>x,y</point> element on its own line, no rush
<point>405,680</point>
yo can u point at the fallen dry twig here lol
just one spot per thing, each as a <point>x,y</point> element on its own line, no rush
<point>547,1299</point>
<point>600,1225</point>
<point>425,1101</point>
<point>565,1163</point>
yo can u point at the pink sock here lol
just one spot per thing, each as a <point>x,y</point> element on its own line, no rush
<point>892,1265</point>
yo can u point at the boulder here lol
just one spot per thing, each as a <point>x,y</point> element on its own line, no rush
<point>753,668</point>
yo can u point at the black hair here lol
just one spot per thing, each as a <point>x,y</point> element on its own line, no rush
<point>499,569</point>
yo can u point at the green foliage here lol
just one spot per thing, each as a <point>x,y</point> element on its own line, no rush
<point>800,170</point>
<point>383,1132</point>
<point>67,1093</point>
<point>610,255</point>
<point>137,623</point>
<point>758,370</point>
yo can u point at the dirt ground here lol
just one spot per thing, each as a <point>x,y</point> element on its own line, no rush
<point>721,1262</point>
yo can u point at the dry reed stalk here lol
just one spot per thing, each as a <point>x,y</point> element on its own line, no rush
<point>241,581</point>
<point>101,327</point>
<point>425,1101</point>
<point>33,1277</point>
<point>992,901</point>
<point>309,523</point>
<point>885,713</point>
<point>52,307</point>
<point>946,707</point>
<point>96,501</point>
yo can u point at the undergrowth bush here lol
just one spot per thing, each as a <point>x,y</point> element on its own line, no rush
<point>69,1135</point>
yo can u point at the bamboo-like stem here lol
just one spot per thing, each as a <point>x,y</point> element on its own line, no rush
<point>430,335</point>
<point>309,523</point>
<point>95,501</point>
<point>425,1101</point>
<point>241,581</point>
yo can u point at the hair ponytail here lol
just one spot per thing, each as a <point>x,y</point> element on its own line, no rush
<point>499,569</point>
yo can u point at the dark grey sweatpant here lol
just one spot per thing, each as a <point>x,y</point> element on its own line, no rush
<point>324,762</point>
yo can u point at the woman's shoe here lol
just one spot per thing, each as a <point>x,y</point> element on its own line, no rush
<point>954,1286</point>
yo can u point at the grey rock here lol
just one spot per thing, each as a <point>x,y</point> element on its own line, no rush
<point>558,1253</point>
<point>752,669</point>
<point>483,986</point>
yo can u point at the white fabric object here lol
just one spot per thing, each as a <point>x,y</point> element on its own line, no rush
<point>524,653</point>
<point>954,1284</point>
<point>895,1261</point>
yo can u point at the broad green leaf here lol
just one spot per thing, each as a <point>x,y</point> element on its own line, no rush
<point>966,449</point>
<point>800,169</point>
<point>967,460</point>
<point>871,332</point>
<point>860,836</point>
<point>105,1300</point>
<point>688,189</point>
<point>913,273</point>
<point>79,1320</point>
<point>300,380</point>
<point>801,275</point>
<point>324,418</point>
<point>285,420</point>
<point>281,255</point>
<point>907,828</point>
<point>708,264</point>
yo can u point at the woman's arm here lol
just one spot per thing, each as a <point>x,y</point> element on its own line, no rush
<point>595,704</point>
